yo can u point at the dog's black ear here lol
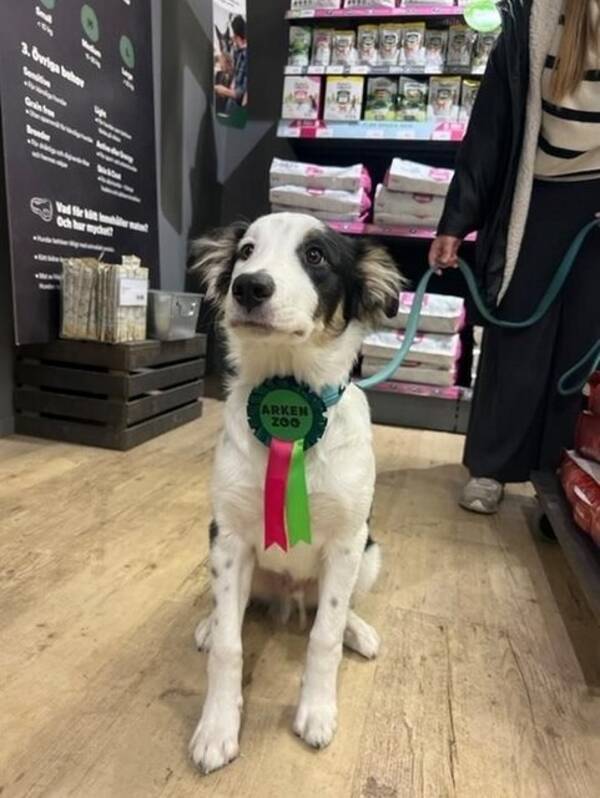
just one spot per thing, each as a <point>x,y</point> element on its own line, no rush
<point>213,259</point>
<point>380,283</point>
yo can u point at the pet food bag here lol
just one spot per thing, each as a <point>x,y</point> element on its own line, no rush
<point>309,175</point>
<point>357,202</point>
<point>344,43</point>
<point>390,44</point>
<point>420,210</point>
<point>484,44</point>
<point>444,96</point>
<point>443,315</point>
<point>382,95</point>
<point>580,479</point>
<point>587,436</point>
<point>299,46</point>
<point>343,99</point>
<point>436,46</point>
<point>439,351</point>
<point>415,373</point>
<point>461,42</point>
<point>470,89</point>
<point>322,48</point>
<point>418,178</point>
<point>594,403</point>
<point>412,100</point>
<point>301,97</point>
<point>367,45</point>
<point>412,51</point>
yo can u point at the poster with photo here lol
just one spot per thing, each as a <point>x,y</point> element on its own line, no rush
<point>231,62</point>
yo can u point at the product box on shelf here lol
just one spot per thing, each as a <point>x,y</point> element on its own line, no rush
<point>301,97</point>
<point>308,175</point>
<point>299,46</point>
<point>439,351</point>
<point>444,97</point>
<point>382,97</point>
<point>412,51</point>
<point>436,46</point>
<point>418,373</point>
<point>461,41</point>
<point>395,207</point>
<point>344,48</point>
<point>442,315</point>
<point>580,479</point>
<point>412,100</point>
<point>390,44</point>
<point>484,45</point>
<point>368,45</point>
<point>587,436</point>
<point>322,47</point>
<point>343,98</point>
<point>470,89</point>
<point>357,202</point>
<point>418,178</point>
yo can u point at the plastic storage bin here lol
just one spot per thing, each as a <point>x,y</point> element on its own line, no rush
<point>172,316</point>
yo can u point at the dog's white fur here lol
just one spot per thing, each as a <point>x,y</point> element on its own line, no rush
<point>341,477</point>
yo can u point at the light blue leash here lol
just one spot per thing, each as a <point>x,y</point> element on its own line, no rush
<point>589,363</point>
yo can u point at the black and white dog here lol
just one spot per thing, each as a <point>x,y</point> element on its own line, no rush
<point>295,299</point>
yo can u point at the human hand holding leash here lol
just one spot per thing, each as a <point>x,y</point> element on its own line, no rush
<point>444,253</point>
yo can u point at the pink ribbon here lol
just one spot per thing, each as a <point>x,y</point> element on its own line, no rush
<point>280,455</point>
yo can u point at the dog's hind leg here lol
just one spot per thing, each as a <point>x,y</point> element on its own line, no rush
<point>360,637</point>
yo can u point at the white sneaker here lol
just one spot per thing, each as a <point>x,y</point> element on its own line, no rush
<point>482,496</point>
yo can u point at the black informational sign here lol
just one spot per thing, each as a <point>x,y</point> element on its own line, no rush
<point>76,94</point>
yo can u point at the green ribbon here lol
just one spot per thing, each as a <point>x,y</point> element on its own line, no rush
<point>297,504</point>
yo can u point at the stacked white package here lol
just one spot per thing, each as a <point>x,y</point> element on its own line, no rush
<point>418,178</point>
<point>434,356</point>
<point>400,208</point>
<point>413,194</point>
<point>440,314</point>
<point>327,192</point>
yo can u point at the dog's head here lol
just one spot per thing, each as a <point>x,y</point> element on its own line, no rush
<point>288,278</point>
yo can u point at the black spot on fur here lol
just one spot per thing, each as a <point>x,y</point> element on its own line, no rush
<point>228,564</point>
<point>213,532</point>
<point>215,573</point>
<point>370,542</point>
<point>334,602</point>
<point>356,277</point>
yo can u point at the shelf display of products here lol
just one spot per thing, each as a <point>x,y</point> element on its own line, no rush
<point>409,47</point>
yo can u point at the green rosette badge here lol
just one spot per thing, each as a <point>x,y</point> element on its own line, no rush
<point>289,418</point>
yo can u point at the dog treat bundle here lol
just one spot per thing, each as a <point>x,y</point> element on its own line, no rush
<point>441,315</point>
<point>301,97</point>
<point>402,208</point>
<point>432,359</point>
<point>104,302</point>
<point>328,192</point>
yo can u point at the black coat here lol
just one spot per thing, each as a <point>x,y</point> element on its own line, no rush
<point>481,194</point>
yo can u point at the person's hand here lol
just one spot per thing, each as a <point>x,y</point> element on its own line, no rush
<point>223,91</point>
<point>444,253</point>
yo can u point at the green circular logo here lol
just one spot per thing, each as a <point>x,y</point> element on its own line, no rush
<point>483,16</point>
<point>284,409</point>
<point>50,4</point>
<point>127,51</point>
<point>89,22</point>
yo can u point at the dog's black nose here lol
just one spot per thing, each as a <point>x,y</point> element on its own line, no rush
<point>251,290</point>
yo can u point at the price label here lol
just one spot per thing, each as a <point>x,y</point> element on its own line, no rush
<point>133,293</point>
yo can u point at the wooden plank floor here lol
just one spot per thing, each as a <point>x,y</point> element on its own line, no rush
<point>488,683</point>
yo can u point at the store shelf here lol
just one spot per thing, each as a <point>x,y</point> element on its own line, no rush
<point>387,231</point>
<point>398,404</point>
<point>373,131</point>
<point>376,13</point>
<point>579,549</point>
<point>379,70</point>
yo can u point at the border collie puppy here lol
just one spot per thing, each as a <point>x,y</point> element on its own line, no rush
<point>296,300</point>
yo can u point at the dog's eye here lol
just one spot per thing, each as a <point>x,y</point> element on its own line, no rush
<point>315,256</point>
<point>246,252</point>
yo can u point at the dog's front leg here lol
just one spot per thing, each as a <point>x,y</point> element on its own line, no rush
<point>316,718</point>
<point>216,740</point>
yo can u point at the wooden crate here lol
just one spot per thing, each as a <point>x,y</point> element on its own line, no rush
<point>113,396</point>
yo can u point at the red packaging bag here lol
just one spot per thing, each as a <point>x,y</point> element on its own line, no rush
<point>587,436</point>
<point>581,484</point>
<point>595,396</point>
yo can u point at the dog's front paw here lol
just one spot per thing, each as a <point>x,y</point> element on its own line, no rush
<point>216,740</point>
<point>316,723</point>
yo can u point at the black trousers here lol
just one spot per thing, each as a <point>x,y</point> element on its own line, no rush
<point>519,422</point>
